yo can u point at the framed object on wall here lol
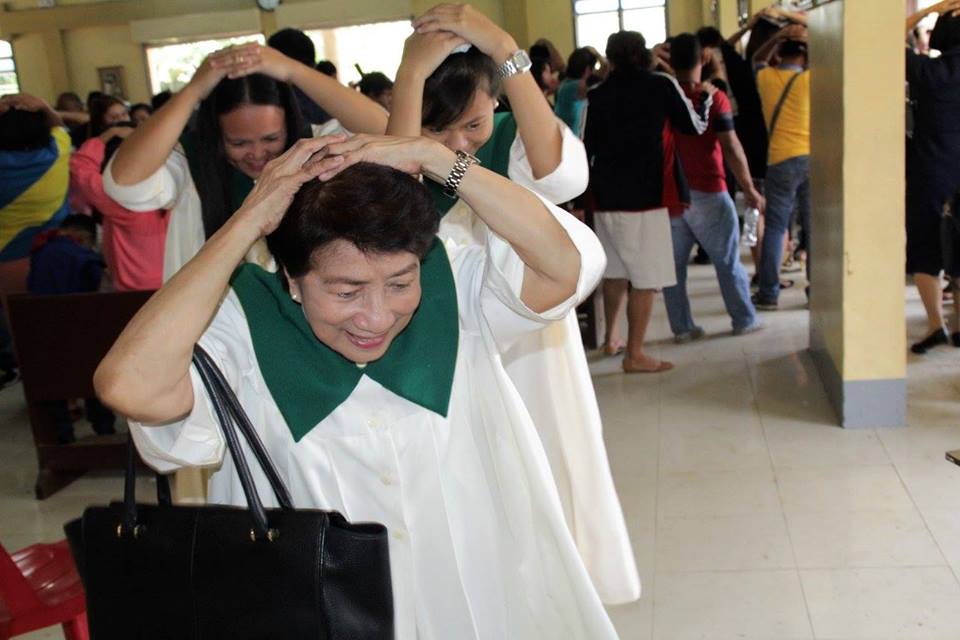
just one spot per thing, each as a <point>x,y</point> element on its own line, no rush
<point>111,81</point>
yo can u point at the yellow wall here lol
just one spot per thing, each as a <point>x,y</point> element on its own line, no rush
<point>32,66</point>
<point>858,187</point>
<point>685,15</point>
<point>874,237</point>
<point>551,19</point>
<point>87,49</point>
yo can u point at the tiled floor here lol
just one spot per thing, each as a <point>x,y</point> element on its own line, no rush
<point>753,517</point>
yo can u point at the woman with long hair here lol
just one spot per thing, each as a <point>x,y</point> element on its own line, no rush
<point>247,116</point>
<point>448,92</point>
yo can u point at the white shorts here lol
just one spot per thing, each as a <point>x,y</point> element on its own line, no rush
<point>639,247</point>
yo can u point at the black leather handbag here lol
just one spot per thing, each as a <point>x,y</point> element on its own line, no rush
<point>182,572</point>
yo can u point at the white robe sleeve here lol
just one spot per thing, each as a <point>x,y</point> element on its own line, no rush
<point>196,440</point>
<point>160,190</point>
<point>490,282</point>
<point>566,182</point>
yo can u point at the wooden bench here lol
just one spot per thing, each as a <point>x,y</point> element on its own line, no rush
<point>59,341</point>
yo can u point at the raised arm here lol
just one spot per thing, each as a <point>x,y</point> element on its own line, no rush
<point>355,111</point>
<point>537,125</point>
<point>147,148</point>
<point>552,262</point>
<point>146,374</point>
<point>945,6</point>
<point>422,54</point>
<point>27,102</point>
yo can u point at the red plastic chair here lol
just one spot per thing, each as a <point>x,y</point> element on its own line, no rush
<point>39,587</point>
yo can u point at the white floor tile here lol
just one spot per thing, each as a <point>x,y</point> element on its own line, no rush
<point>721,493</point>
<point>728,543</point>
<point>749,605</point>
<point>870,604</point>
<point>842,489</point>
<point>845,539</point>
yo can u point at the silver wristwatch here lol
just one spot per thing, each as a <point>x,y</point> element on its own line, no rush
<point>517,63</point>
<point>464,161</point>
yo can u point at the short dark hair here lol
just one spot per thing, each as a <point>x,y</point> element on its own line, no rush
<point>140,106</point>
<point>80,222</point>
<point>374,83</point>
<point>68,96</point>
<point>295,44</point>
<point>23,130</point>
<point>579,61</point>
<point>327,68</point>
<point>160,99</point>
<point>685,52</point>
<point>377,208</point>
<point>94,95</point>
<point>792,49</point>
<point>710,37</point>
<point>540,52</point>
<point>538,66</point>
<point>450,88</point>
<point>628,50</point>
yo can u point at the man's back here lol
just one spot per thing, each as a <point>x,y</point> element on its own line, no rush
<point>791,134</point>
<point>701,156</point>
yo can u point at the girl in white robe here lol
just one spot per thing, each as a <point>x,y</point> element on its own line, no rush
<point>451,98</point>
<point>450,463</point>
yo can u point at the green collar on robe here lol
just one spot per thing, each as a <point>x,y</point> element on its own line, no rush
<point>493,155</point>
<point>308,380</point>
<point>239,183</point>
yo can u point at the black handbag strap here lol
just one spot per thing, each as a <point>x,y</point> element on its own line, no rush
<point>779,106</point>
<point>231,416</point>
<point>246,427</point>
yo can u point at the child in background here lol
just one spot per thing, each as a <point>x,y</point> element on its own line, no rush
<point>64,261</point>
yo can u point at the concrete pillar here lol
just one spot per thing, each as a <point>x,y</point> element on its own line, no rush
<point>857,333</point>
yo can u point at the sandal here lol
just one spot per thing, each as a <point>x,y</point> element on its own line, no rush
<point>935,339</point>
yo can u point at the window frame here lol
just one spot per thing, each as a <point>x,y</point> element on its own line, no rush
<point>619,11</point>
<point>146,46</point>
<point>13,59</point>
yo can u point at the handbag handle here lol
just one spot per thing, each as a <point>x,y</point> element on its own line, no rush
<point>231,416</point>
<point>245,426</point>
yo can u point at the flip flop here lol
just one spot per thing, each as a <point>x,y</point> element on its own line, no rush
<point>660,368</point>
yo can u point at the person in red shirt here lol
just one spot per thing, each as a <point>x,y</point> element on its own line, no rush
<point>133,241</point>
<point>711,219</point>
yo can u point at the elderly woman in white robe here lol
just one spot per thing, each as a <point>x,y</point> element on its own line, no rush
<point>370,364</point>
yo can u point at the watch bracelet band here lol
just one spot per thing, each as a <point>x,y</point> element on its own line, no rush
<point>451,185</point>
<point>509,67</point>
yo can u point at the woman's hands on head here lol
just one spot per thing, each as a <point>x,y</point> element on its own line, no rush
<point>282,177</point>
<point>424,52</point>
<point>27,102</point>
<point>253,57</point>
<point>413,155</point>
<point>471,25</point>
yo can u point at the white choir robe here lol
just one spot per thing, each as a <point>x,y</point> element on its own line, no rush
<point>549,369</point>
<point>479,548</point>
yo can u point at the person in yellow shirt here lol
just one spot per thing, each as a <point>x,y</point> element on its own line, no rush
<point>784,87</point>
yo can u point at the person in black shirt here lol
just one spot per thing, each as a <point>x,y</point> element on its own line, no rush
<point>635,179</point>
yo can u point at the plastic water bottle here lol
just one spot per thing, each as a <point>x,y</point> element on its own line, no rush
<point>751,218</point>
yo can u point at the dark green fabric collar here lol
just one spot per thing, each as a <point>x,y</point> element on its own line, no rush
<point>308,380</point>
<point>238,183</point>
<point>493,155</point>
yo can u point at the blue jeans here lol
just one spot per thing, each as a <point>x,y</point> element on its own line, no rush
<point>787,187</point>
<point>711,220</point>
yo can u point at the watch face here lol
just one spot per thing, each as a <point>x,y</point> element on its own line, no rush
<point>268,5</point>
